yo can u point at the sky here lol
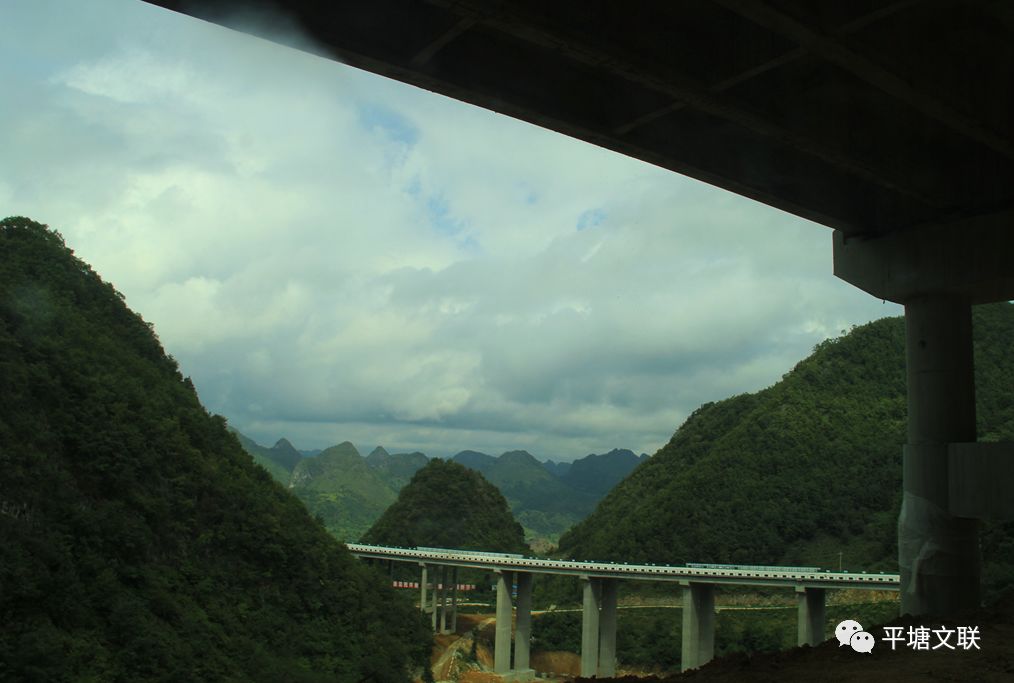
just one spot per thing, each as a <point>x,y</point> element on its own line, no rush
<point>331,255</point>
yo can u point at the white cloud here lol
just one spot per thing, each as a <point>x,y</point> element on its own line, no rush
<point>336,256</point>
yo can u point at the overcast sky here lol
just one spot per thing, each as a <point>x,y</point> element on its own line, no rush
<point>335,256</point>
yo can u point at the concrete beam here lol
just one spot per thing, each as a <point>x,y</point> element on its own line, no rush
<point>980,480</point>
<point>502,645</point>
<point>590,627</point>
<point>810,627</point>
<point>523,631</point>
<point>607,629</point>
<point>971,258</point>
<point>698,624</point>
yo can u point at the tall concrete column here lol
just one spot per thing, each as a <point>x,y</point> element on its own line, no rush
<point>937,272</point>
<point>502,645</point>
<point>607,629</point>
<point>810,627</point>
<point>433,593</point>
<point>698,624</point>
<point>938,553</point>
<point>422,587</point>
<point>443,600</point>
<point>454,600</point>
<point>590,627</point>
<point>523,630</point>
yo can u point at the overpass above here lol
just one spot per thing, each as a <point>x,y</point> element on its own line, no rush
<point>889,121</point>
<point>869,117</point>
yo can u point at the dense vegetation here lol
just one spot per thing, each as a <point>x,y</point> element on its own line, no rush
<point>543,503</point>
<point>397,469</point>
<point>447,505</point>
<point>342,489</point>
<point>138,541</point>
<point>266,457</point>
<point>598,474</point>
<point>801,471</point>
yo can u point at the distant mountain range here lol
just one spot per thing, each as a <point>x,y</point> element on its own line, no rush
<point>546,497</point>
<point>350,492</point>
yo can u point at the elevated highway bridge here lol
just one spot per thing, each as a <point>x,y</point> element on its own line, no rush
<point>600,579</point>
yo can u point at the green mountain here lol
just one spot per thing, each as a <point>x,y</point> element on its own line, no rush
<point>263,458</point>
<point>284,454</point>
<point>138,541</point>
<point>480,462</point>
<point>396,469</point>
<point>598,474</point>
<point>558,469</point>
<point>341,488</point>
<point>801,471</point>
<point>543,503</point>
<point>447,505</point>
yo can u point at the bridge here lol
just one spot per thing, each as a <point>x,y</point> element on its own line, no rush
<point>600,579</point>
<point>892,123</point>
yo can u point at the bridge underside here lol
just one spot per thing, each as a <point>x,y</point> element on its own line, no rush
<point>888,121</point>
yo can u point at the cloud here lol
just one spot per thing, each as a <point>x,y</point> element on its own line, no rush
<point>331,255</point>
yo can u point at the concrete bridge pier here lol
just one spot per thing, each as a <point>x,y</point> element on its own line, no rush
<point>454,600</point>
<point>598,627</point>
<point>949,480</point>
<point>502,643</point>
<point>590,626</point>
<point>523,630</point>
<point>607,628</point>
<point>443,600</point>
<point>810,629</point>
<point>433,605</point>
<point>422,587</point>
<point>698,624</point>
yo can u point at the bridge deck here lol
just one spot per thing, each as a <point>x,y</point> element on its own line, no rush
<point>770,576</point>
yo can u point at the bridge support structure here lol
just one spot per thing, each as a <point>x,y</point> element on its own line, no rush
<point>521,670</point>
<point>949,481</point>
<point>698,624</point>
<point>442,622</point>
<point>454,600</point>
<point>433,599</point>
<point>810,628</point>
<point>502,642</point>
<point>598,627</point>
<point>607,628</point>
<point>591,604</point>
<point>422,586</point>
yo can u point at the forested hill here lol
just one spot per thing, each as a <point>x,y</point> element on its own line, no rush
<point>447,505</point>
<point>801,471</point>
<point>138,541</point>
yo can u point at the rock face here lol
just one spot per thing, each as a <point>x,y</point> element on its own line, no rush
<point>138,541</point>
<point>447,505</point>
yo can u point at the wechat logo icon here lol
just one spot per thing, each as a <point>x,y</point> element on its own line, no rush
<point>851,633</point>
